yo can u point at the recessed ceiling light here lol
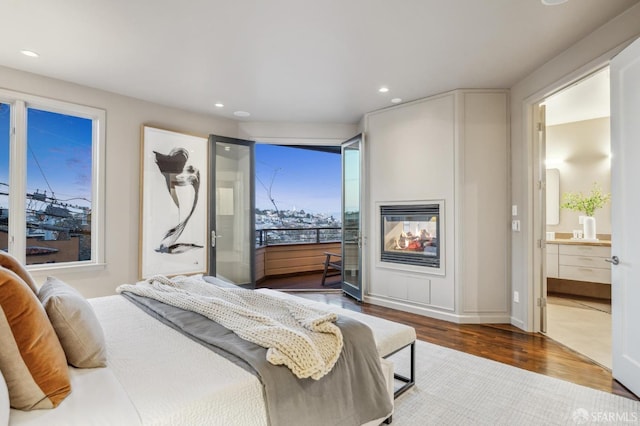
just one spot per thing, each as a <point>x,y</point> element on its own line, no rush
<point>396,100</point>
<point>383,89</point>
<point>241,114</point>
<point>29,53</point>
<point>219,105</point>
<point>553,2</point>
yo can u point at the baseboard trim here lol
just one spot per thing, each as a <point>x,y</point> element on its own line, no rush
<point>406,307</point>
<point>480,318</point>
<point>518,323</point>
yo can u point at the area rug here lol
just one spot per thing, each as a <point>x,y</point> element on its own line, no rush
<point>456,388</point>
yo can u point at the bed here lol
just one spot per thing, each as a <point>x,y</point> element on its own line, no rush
<point>155,375</point>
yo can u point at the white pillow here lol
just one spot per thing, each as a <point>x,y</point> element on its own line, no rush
<point>4,402</point>
<point>75,323</point>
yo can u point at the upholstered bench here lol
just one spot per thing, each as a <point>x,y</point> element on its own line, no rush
<point>390,337</point>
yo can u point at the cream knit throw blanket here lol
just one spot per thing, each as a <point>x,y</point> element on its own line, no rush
<point>303,339</point>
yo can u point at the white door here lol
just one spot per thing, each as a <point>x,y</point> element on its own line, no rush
<point>625,210</point>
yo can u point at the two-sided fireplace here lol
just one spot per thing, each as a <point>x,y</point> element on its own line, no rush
<point>410,234</point>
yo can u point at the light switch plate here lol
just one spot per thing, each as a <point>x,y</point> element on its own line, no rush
<point>514,210</point>
<point>515,225</point>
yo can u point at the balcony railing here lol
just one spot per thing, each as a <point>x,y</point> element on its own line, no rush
<point>279,236</point>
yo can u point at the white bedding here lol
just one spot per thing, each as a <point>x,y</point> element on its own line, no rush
<point>95,391</point>
<point>156,376</point>
<point>169,379</point>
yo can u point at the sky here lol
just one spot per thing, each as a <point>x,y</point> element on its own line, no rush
<point>58,155</point>
<point>302,179</point>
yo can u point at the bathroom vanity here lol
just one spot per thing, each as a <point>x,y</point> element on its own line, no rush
<point>579,267</point>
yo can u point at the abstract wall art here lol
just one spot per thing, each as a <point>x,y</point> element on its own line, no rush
<point>174,203</point>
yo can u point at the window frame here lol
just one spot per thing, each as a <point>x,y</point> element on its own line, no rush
<point>17,241</point>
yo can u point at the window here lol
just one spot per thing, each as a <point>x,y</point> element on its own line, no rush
<point>5,132</point>
<point>51,181</point>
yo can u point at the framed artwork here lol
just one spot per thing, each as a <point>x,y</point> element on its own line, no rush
<point>174,203</point>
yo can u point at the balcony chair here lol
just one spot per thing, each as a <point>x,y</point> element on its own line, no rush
<point>332,265</point>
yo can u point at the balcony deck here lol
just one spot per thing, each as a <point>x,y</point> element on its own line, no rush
<point>293,258</point>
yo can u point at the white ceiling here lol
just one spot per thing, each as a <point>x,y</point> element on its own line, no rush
<point>292,60</point>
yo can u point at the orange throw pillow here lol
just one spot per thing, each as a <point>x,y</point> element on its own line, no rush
<point>31,358</point>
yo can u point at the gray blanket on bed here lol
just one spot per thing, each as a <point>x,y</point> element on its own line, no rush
<point>353,393</point>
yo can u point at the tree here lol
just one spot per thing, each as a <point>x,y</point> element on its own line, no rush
<point>269,190</point>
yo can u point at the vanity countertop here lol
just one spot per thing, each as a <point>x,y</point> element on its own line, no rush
<point>571,241</point>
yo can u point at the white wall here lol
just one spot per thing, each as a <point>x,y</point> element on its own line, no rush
<point>123,127</point>
<point>454,148</point>
<point>483,204</point>
<point>583,148</point>
<point>297,133</point>
<point>411,157</point>
<point>585,56</point>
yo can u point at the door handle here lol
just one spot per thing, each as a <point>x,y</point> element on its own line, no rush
<point>614,260</point>
<point>358,239</point>
<point>213,238</point>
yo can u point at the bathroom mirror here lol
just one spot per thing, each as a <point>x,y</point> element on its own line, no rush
<point>553,196</point>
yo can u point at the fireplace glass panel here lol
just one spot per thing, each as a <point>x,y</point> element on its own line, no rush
<point>410,234</point>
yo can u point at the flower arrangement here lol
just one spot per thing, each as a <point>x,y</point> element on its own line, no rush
<point>577,201</point>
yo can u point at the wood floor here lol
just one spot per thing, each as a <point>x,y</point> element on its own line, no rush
<point>501,342</point>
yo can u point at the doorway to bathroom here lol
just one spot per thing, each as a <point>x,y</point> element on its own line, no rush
<point>576,146</point>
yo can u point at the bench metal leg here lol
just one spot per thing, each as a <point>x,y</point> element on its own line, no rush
<point>408,381</point>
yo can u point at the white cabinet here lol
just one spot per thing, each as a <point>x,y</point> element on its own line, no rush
<point>579,262</point>
<point>584,263</point>
<point>552,261</point>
